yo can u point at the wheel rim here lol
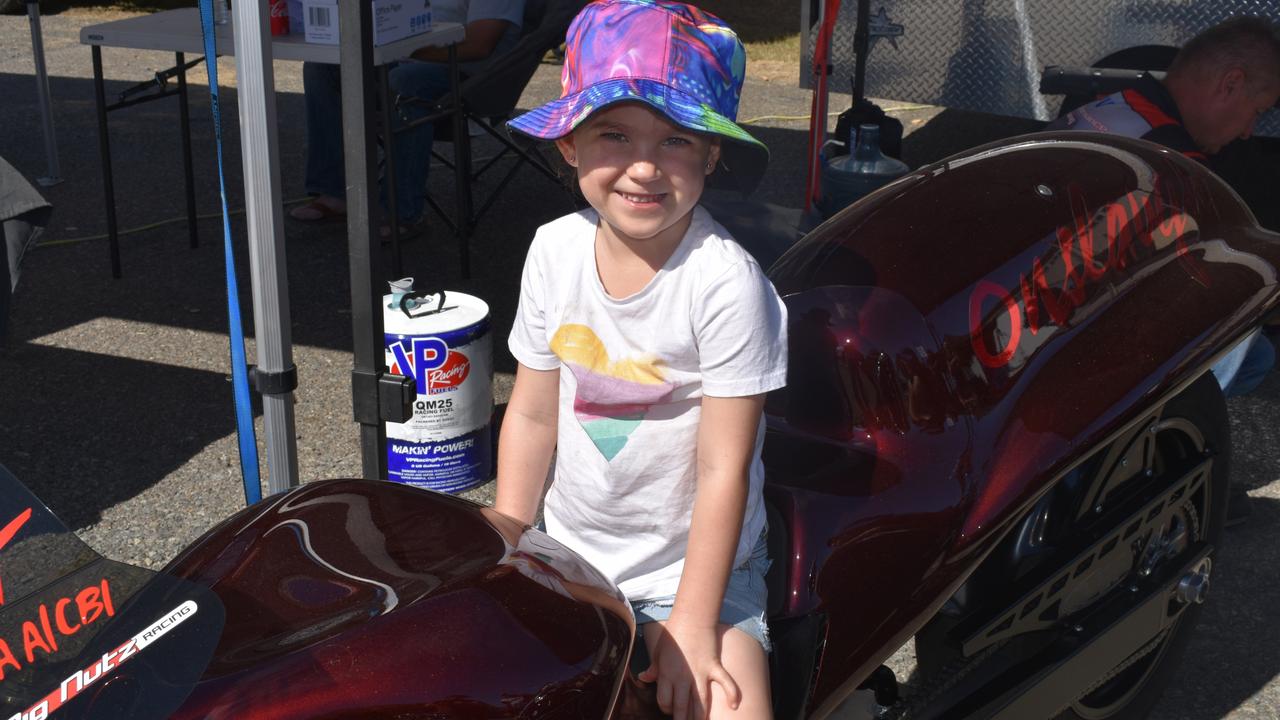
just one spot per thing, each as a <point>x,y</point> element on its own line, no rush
<point>1116,693</point>
<point>1176,441</point>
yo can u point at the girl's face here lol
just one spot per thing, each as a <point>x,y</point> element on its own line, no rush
<point>639,171</point>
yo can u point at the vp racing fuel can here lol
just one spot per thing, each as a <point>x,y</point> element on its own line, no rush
<point>442,341</point>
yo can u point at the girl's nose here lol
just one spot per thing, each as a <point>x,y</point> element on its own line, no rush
<point>642,169</point>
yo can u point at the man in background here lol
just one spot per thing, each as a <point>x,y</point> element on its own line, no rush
<point>492,28</point>
<point>1217,87</point>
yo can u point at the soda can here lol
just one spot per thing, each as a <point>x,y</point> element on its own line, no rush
<point>279,17</point>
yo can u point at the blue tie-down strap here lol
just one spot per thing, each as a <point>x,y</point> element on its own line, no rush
<point>239,366</point>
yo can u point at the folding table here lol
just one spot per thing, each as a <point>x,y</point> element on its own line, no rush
<point>178,31</point>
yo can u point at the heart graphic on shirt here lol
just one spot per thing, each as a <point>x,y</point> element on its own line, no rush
<point>613,397</point>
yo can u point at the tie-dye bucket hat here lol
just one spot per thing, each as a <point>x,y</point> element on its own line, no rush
<point>681,61</point>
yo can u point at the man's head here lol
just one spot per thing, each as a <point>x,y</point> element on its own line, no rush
<point>1224,78</point>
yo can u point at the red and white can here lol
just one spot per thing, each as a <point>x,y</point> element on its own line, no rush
<point>279,17</point>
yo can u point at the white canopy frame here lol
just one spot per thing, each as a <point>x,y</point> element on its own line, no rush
<point>53,173</point>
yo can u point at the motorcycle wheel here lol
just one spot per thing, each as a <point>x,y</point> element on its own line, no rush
<point>1132,689</point>
<point>1193,424</point>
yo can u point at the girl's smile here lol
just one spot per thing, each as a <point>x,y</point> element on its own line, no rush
<point>641,201</point>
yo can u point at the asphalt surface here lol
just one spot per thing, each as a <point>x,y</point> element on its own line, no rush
<point>115,404</point>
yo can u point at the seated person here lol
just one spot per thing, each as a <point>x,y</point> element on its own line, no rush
<point>492,28</point>
<point>1221,81</point>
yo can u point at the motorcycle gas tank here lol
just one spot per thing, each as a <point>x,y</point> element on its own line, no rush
<point>962,337</point>
<point>366,599</point>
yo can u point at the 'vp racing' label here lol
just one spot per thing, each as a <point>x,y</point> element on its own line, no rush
<point>446,445</point>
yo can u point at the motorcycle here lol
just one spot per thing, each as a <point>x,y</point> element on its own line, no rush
<point>999,437</point>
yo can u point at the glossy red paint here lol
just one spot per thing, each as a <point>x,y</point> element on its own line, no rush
<point>376,600</point>
<point>963,337</point>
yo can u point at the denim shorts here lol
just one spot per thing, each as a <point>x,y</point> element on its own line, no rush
<point>745,599</point>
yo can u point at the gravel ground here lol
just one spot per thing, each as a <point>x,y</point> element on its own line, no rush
<point>114,396</point>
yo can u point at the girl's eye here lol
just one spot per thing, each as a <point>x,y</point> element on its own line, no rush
<point>677,141</point>
<point>613,136</point>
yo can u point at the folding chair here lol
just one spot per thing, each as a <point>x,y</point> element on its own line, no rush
<point>488,99</point>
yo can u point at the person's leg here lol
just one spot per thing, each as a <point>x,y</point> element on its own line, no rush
<point>322,95</point>
<point>744,658</point>
<point>427,82</point>
<point>1254,358</point>
<point>747,663</point>
<point>1259,358</point>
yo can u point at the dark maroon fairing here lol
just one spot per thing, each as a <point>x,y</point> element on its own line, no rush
<point>359,599</point>
<point>1029,299</point>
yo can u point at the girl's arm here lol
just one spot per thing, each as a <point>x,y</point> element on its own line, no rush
<point>527,441</point>
<point>688,661</point>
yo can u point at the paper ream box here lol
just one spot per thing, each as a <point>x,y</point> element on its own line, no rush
<point>392,20</point>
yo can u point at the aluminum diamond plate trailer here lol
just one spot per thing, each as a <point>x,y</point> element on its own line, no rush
<point>987,55</point>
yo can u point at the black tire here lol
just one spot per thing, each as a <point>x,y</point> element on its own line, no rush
<point>1141,57</point>
<point>1199,426</point>
<point>1137,690</point>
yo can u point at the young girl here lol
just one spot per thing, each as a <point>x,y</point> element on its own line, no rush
<point>646,339</point>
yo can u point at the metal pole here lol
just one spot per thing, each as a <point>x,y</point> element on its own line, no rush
<point>389,169</point>
<point>104,152</point>
<point>461,162</point>
<point>54,174</point>
<point>861,49</point>
<point>365,258</point>
<point>261,158</point>
<point>188,174</point>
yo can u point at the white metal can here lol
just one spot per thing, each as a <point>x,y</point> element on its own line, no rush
<point>445,345</point>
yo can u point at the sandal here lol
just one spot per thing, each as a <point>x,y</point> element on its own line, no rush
<point>409,229</point>
<point>321,209</point>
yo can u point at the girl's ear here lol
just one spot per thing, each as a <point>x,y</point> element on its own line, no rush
<point>713,155</point>
<point>568,150</point>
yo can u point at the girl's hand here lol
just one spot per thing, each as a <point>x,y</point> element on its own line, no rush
<point>685,661</point>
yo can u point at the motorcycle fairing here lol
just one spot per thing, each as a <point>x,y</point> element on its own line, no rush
<point>86,637</point>
<point>1057,288</point>
<point>369,599</point>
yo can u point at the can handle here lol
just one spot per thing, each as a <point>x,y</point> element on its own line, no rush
<point>418,295</point>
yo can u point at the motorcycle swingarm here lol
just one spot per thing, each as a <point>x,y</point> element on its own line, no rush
<point>1107,638</point>
<point>1041,607</point>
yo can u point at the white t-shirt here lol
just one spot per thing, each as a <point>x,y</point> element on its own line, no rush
<point>632,376</point>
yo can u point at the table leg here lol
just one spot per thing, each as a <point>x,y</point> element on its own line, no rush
<point>388,152</point>
<point>461,162</point>
<point>104,151</point>
<point>184,113</point>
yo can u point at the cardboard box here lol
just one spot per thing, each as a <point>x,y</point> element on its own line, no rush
<point>392,20</point>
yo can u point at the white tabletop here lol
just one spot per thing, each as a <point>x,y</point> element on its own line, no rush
<point>179,31</point>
